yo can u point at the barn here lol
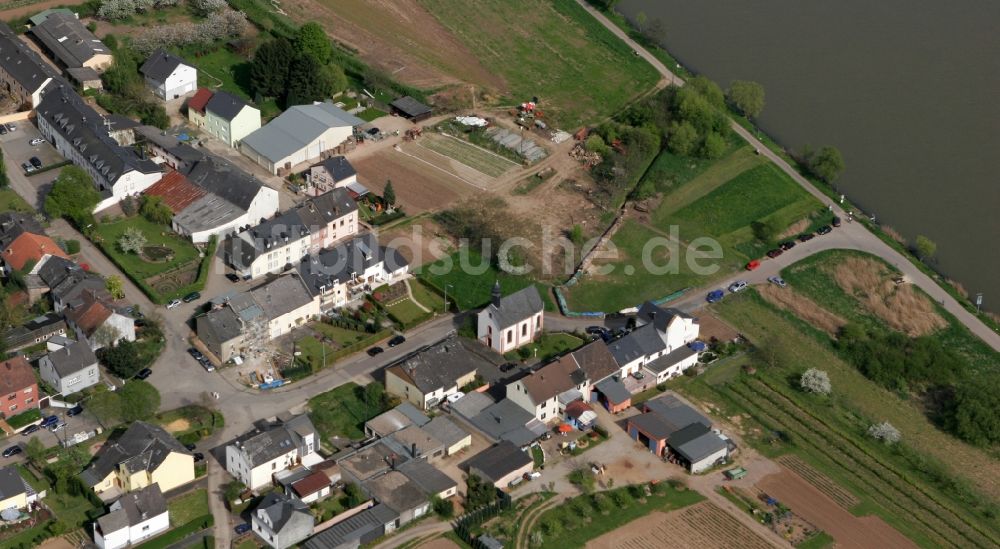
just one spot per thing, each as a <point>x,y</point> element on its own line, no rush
<point>410,108</point>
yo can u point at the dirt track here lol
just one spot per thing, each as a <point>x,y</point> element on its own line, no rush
<point>848,530</point>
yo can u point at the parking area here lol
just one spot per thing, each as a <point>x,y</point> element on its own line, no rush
<point>17,150</point>
<point>84,422</point>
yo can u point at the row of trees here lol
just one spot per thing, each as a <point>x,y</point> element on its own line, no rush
<point>216,26</point>
<point>299,71</point>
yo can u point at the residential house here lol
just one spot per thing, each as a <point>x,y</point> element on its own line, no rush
<point>77,132</point>
<point>132,518</point>
<point>64,37</point>
<point>35,331</point>
<point>27,249</point>
<point>502,420</point>
<point>300,134</point>
<point>400,417</point>
<point>411,109</point>
<point>311,487</point>
<point>399,493</point>
<point>223,115</point>
<point>14,225</point>
<point>314,224</point>
<point>245,321</point>
<point>15,492</point>
<point>23,74</point>
<point>512,321</point>
<point>348,270</point>
<point>546,391</point>
<point>427,377</point>
<point>96,320</point>
<point>453,438</point>
<point>335,172</point>
<point>661,333</point>
<point>18,386</point>
<point>416,443</point>
<point>281,521</point>
<point>144,454</point>
<point>676,431</point>
<point>169,76</point>
<point>500,464</point>
<point>70,369</point>
<point>354,530</point>
<point>165,148</point>
<point>272,447</point>
<point>73,288</point>
<point>429,479</point>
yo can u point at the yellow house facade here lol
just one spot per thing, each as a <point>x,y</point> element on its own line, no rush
<point>145,454</point>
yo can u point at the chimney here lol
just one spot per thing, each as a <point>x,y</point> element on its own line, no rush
<point>413,450</point>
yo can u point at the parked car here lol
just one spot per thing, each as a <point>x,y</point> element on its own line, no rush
<point>787,245</point>
<point>195,353</point>
<point>806,237</point>
<point>11,127</point>
<point>638,374</point>
<point>198,456</point>
<point>532,475</point>
<point>596,330</point>
<point>738,286</point>
<point>189,447</point>
<point>825,229</point>
<point>193,296</point>
<point>507,366</point>
<point>242,529</point>
<point>233,277</point>
<point>12,451</point>
<point>30,429</point>
<point>27,167</point>
<point>397,340</point>
<point>374,131</point>
<point>715,296</point>
<point>36,141</point>
<point>173,304</point>
<point>35,162</point>
<point>836,221</point>
<point>144,373</point>
<point>56,426</point>
<point>3,129</point>
<point>774,253</point>
<point>75,411</point>
<point>50,421</point>
<point>753,265</point>
<point>375,350</point>
<point>777,281</point>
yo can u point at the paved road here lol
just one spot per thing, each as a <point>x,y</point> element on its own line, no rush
<point>855,235</point>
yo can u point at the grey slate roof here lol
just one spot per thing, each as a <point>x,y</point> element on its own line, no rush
<point>295,128</point>
<point>596,360</point>
<point>396,491</point>
<point>400,417</point>
<point>445,430</point>
<point>427,477</point>
<point>270,440</point>
<point>68,40</point>
<point>502,419</point>
<point>339,264</point>
<point>676,413</point>
<point>289,516</point>
<point>410,106</point>
<point>14,224</point>
<point>11,482</point>
<point>613,390</point>
<point>281,296</point>
<point>136,507</point>
<point>517,306</point>
<point>70,360</point>
<point>643,341</point>
<point>653,425</point>
<point>143,447</point>
<point>440,365</point>
<point>673,357</point>
<point>81,126</point>
<point>161,65</point>
<point>696,442</point>
<point>225,180</point>
<point>55,269</point>
<point>650,312</point>
<point>338,167</point>
<point>499,461</point>
<point>225,105</point>
<point>354,531</point>
<point>222,324</point>
<point>21,62</point>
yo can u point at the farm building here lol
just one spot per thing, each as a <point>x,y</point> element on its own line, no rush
<point>69,42</point>
<point>410,108</point>
<point>300,134</point>
<point>501,464</point>
<point>676,431</point>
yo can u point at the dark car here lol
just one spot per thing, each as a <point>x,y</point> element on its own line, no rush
<point>774,253</point>
<point>825,229</point>
<point>374,131</point>
<point>806,237</point>
<point>30,429</point>
<point>196,354</point>
<point>242,529</point>
<point>192,297</point>
<point>787,245</point>
<point>144,373</point>
<point>50,421</point>
<point>75,411</point>
<point>375,350</point>
<point>836,221</point>
<point>189,447</point>
<point>233,277</point>
<point>198,456</point>
<point>715,296</point>
<point>12,451</point>
<point>596,330</point>
<point>35,162</point>
<point>3,129</point>
<point>397,340</point>
<point>507,366</point>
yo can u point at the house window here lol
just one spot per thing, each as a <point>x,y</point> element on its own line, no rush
<point>543,416</point>
<point>510,336</point>
<point>28,390</point>
<point>144,528</point>
<point>524,330</point>
<point>13,407</point>
<point>274,466</point>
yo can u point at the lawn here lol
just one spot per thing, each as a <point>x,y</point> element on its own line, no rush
<point>184,509</point>
<point>24,418</point>
<point>190,423</point>
<point>693,178</point>
<point>555,51</point>
<point>472,289</point>
<point>478,159</point>
<point>348,342</point>
<point>342,412</point>
<point>225,69</point>
<point>407,313</point>
<point>11,201</point>
<point>370,114</point>
<point>583,518</point>
<point>549,345</point>
<point>425,296</point>
<point>156,235</point>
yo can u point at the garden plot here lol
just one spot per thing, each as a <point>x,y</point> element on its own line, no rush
<point>479,159</point>
<point>701,525</point>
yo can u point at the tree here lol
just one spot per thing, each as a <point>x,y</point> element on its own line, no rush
<point>389,194</point>
<point>926,248</point>
<point>123,359</point>
<point>479,493</point>
<point>312,39</point>
<point>374,395</point>
<point>128,206</point>
<point>122,77</point>
<point>747,97</point>
<point>815,381</point>
<point>974,412</point>
<point>354,495</point>
<point>827,163</point>
<point>106,335</point>
<point>884,432</point>
<point>205,7</point>
<point>233,490</point>
<point>106,407</point>
<point>708,89</point>
<point>443,507</point>
<point>682,139</point>
<point>306,81</point>
<point>640,21</point>
<point>595,143</point>
<point>269,68</point>
<point>714,146</point>
<point>35,451</point>
<point>153,209</point>
<point>764,231</point>
<point>72,247</point>
<point>334,78</point>
<point>72,196</point>
<point>132,240</point>
<point>115,286</point>
<point>139,400</point>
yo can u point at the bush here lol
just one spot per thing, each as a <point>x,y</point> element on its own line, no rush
<point>885,432</point>
<point>815,381</point>
<point>72,247</point>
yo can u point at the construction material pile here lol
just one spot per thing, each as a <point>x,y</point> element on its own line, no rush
<point>526,148</point>
<point>585,157</point>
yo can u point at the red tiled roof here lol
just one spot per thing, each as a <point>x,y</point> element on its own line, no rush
<point>177,191</point>
<point>576,408</point>
<point>200,99</point>
<point>91,315</point>
<point>30,246</point>
<point>311,484</point>
<point>15,374</point>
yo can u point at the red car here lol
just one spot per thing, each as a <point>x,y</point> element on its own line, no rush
<point>753,265</point>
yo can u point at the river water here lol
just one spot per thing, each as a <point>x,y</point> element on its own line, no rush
<point>909,91</point>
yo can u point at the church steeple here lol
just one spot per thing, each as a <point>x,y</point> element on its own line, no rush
<point>496,294</point>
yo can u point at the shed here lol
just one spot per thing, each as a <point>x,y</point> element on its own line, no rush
<point>410,108</point>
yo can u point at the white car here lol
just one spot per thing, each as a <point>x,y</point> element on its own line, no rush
<point>738,286</point>
<point>777,281</point>
<point>173,303</point>
<point>37,141</point>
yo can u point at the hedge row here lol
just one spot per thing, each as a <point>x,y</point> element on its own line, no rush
<point>153,295</point>
<point>179,533</point>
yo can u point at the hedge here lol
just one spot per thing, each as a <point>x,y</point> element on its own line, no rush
<point>179,533</point>
<point>153,295</point>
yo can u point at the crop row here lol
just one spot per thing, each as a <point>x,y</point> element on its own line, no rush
<point>822,482</point>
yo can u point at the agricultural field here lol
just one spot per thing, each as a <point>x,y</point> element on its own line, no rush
<point>700,525</point>
<point>419,186</point>
<point>472,156</point>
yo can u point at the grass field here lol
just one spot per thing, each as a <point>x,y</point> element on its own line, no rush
<point>342,412</point>
<point>407,312</point>
<point>551,50</point>
<point>156,235</point>
<point>550,345</point>
<point>319,355</point>
<point>426,296</point>
<point>11,201</point>
<point>226,70</point>
<point>472,289</point>
<point>184,509</point>
<point>481,160</point>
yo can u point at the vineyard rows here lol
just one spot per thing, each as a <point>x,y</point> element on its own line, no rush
<point>701,525</point>
<point>822,482</point>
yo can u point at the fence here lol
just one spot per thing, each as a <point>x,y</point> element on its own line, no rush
<point>464,525</point>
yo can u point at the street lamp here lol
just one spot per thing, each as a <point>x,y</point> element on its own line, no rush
<point>446,286</point>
